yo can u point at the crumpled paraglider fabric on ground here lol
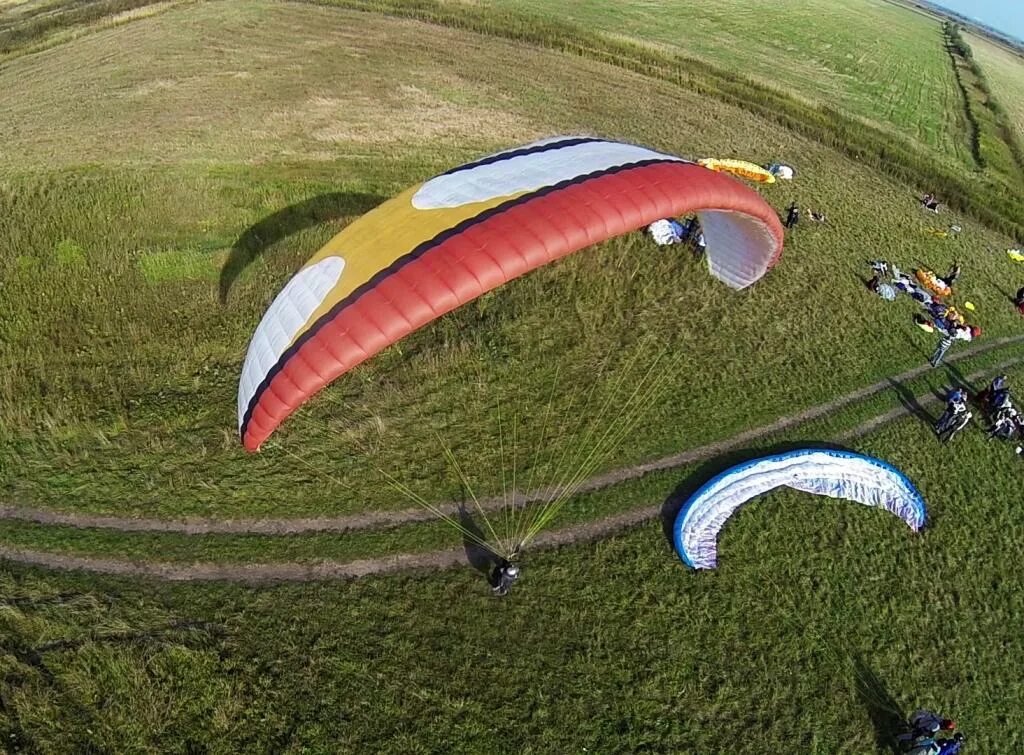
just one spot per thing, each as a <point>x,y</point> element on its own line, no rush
<point>832,473</point>
<point>443,243</point>
<point>666,232</point>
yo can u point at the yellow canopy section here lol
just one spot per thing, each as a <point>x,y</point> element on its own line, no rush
<point>740,168</point>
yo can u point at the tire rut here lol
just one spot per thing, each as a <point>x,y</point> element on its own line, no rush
<point>256,574</point>
<point>386,519</point>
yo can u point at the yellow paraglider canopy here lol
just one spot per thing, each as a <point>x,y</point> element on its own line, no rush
<point>741,168</point>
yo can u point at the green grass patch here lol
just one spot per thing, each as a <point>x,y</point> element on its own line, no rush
<point>146,375</point>
<point>181,264</point>
<point>869,58</point>
<point>994,142</point>
<point>31,25</point>
<point>815,620</point>
<point>1004,70</point>
<point>126,398</point>
<point>117,396</point>
<point>69,253</point>
<point>886,151</point>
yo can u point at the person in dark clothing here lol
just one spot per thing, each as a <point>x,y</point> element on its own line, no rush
<point>505,574</point>
<point>689,225</point>
<point>919,735</point>
<point>951,746</point>
<point>952,275</point>
<point>955,413</point>
<point>1019,298</point>
<point>792,215</point>
<point>989,398</point>
<point>926,723</point>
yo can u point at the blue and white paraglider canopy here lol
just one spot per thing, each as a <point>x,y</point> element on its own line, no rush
<point>833,473</point>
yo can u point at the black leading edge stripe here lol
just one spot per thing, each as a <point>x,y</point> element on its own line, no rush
<point>415,254</point>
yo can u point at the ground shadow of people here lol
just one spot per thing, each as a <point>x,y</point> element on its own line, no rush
<point>478,554</point>
<point>909,402</point>
<point>710,469</point>
<point>886,716</point>
<point>915,345</point>
<point>314,211</point>
<point>958,378</point>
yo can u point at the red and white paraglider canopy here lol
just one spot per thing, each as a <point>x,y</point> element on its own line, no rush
<point>445,242</point>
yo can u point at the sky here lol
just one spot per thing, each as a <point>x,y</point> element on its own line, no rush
<point>1005,15</point>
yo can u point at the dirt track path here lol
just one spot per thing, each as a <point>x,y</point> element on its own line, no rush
<point>383,519</point>
<point>589,531</point>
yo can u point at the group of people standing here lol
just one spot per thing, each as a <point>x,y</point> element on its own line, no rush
<point>995,401</point>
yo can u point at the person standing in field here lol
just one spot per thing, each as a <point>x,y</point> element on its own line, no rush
<point>955,333</point>
<point>952,275</point>
<point>945,341</point>
<point>792,215</point>
<point>505,575</point>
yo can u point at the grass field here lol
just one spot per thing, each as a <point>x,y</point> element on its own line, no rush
<point>423,537</point>
<point>869,58</point>
<point>143,425</point>
<point>1005,73</point>
<point>162,175</point>
<point>995,144</point>
<point>613,646</point>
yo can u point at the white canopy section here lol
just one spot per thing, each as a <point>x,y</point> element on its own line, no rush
<point>739,248</point>
<point>836,474</point>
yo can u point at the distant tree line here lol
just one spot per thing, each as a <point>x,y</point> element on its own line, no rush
<point>958,47</point>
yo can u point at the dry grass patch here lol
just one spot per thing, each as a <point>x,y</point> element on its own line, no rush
<point>222,82</point>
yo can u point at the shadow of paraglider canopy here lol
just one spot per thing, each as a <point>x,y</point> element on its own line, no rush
<point>287,221</point>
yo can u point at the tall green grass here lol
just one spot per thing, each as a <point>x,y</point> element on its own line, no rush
<point>1004,72</point>
<point>420,537</point>
<point>116,394</point>
<point>820,616</point>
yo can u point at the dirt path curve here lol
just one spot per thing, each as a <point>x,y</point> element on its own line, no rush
<point>383,519</point>
<point>446,559</point>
